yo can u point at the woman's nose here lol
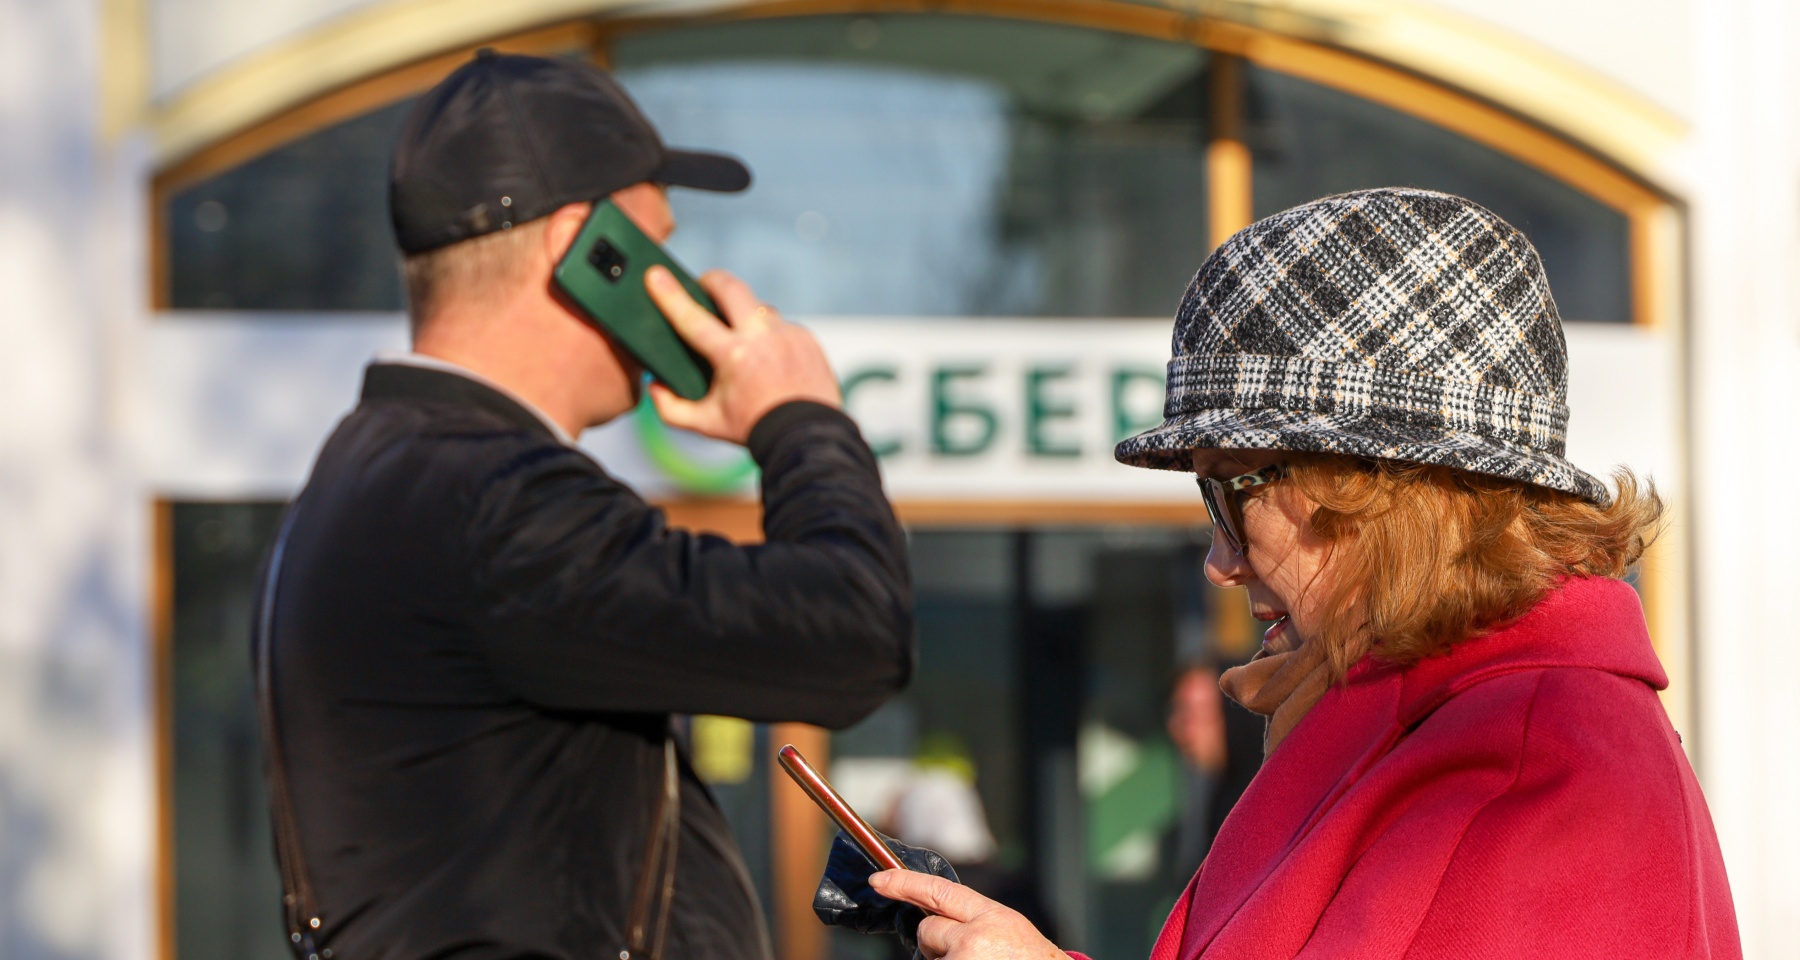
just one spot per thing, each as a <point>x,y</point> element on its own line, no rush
<point>1224,567</point>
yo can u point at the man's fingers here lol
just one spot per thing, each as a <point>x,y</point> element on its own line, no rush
<point>703,331</point>
<point>674,410</point>
<point>937,895</point>
<point>736,301</point>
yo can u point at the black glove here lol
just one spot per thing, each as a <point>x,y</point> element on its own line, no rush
<point>845,898</point>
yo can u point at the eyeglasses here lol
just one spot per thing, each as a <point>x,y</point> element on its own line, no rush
<point>1224,503</point>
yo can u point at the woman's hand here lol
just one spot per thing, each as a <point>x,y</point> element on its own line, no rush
<point>964,925</point>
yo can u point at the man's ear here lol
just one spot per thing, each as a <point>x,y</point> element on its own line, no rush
<point>564,225</point>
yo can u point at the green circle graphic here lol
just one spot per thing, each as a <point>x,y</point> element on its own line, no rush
<point>706,479</point>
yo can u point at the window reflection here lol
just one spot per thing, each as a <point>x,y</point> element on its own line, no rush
<point>926,165</point>
<point>302,227</point>
<point>914,166</point>
<point>1310,141</point>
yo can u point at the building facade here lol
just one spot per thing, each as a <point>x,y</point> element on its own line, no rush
<point>987,209</point>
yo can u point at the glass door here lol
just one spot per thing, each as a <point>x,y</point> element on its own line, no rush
<point>1035,749</point>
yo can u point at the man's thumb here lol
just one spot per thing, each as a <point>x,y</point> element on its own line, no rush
<point>674,410</point>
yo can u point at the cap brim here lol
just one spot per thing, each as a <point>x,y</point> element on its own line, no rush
<point>703,171</point>
<point>1170,446</point>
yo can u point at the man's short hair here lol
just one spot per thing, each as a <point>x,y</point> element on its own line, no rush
<point>475,269</point>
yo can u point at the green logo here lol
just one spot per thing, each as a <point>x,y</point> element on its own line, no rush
<point>707,478</point>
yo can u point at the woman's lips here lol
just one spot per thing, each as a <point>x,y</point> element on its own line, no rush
<point>1273,637</point>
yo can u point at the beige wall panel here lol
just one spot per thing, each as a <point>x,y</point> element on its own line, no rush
<point>191,38</point>
<point>1642,44</point>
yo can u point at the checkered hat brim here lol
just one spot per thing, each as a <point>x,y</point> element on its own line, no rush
<point>1395,324</point>
<point>1171,445</point>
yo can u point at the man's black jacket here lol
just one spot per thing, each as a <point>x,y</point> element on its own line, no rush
<point>479,637</point>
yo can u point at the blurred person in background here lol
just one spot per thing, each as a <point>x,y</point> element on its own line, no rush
<point>1221,746</point>
<point>472,638</point>
<point>1466,754</point>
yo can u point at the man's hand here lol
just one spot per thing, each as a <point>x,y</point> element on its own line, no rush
<point>759,361</point>
<point>964,925</point>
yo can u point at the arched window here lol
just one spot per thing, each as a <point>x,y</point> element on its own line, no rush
<point>944,164</point>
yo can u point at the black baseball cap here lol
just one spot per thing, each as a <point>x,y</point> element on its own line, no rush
<point>507,139</point>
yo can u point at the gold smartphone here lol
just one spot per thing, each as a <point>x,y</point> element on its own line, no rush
<point>819,789</point>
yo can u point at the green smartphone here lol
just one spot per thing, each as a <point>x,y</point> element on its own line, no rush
<point>603,273</point>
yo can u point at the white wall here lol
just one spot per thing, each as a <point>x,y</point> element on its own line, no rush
<point>75,804</point>
<point>1643,45</point>
<point>191,38</point>
<point>1745,352</point>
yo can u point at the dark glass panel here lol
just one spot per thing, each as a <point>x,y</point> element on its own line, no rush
<point>303,227</point>
<point>937,165</point>
<point>1311,141</point>
<point>743,796</point>
<point>227,890</point>
<point>1046,661</point>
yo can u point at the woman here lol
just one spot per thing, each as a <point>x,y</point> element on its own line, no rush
<point>1466,753</point>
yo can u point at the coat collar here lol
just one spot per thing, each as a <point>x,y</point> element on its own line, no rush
<point>400,381</point>
<point>1585,622</point>
<point>1591,622</point>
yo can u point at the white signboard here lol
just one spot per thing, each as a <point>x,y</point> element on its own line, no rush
<point>968,409</point>
<point>1003,407</point>
<point>960,408</point>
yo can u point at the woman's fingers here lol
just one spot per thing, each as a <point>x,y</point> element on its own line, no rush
<point>937,895</point>
<point>703,331</point>
<point>937,936</point>
<point>964,924</point>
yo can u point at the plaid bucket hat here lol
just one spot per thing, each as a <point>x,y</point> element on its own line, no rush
<point>1394,323</point>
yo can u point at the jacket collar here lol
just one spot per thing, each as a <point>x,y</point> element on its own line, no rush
<point>400,381</point>
<point>1591,622</point>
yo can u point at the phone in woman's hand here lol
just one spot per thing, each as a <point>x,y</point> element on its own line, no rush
<point>852,823</point>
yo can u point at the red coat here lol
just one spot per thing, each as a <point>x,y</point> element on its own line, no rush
<point>1522,796</point>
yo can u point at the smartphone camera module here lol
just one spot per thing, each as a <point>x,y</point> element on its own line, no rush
<point>608,260</point>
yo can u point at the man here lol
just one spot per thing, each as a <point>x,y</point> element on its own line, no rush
<point>475,637</point>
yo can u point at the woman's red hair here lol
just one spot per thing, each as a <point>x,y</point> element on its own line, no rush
<point>1426,556</point>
